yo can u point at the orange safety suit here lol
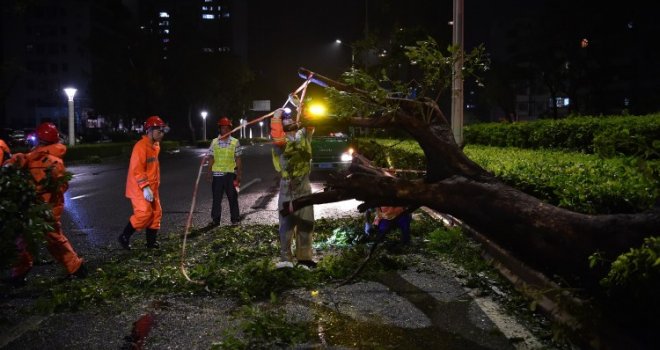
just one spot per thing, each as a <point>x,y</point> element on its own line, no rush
<point>37,162</point>
<point>4,149</point>
<point>387,213</point>
<point>143,171</point>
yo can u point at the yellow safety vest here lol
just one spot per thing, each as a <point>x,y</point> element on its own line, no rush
<point>300,164</point>
<point>224,154</point>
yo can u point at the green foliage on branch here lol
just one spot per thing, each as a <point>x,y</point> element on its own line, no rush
<point>638,271</point>
<point>633,282</point>
<point>432,72</point>
<point>22,212</point>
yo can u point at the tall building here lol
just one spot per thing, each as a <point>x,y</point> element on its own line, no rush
<point>211,26</point>
<point>49,45</point>
<point>44,50</point>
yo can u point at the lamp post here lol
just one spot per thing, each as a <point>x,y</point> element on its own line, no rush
<point>338,41</point>
<point>70,92</point>
<point>204,114</point>
<point>261,129</point>
<point>457,82</point>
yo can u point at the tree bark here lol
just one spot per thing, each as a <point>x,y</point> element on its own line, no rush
<point>552,239</point>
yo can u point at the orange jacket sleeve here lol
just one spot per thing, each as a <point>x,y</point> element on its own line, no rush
<point>277,132</point>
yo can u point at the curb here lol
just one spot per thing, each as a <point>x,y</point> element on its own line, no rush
<point>552,299</point>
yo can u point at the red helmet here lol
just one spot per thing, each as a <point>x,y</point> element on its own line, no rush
<point>152,122</point>
<point>224,121</point>
<point>47,133</point>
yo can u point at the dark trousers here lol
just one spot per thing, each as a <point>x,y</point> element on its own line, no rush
<point>402,222</point>
<point>224,184</point>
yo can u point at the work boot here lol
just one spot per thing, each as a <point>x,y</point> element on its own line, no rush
<point>82,272</point>
<point>308,263</point>
<point>125,237</point>
<point>151,239</point>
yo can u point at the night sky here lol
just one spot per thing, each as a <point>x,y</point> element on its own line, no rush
<point>287,35</point>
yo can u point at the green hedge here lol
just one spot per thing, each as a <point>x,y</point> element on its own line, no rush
<point>605,136</point>
<point>95,152</point>
<point>575,181</point>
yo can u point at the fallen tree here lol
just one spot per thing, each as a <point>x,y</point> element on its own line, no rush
<point>554,240</point>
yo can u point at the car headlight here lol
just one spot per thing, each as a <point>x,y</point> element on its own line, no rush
<point>346,157</point>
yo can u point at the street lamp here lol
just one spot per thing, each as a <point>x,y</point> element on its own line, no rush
<point>261,124</point>
<point>204,114</point>
<point>70,92</point>
<point>339,42</point>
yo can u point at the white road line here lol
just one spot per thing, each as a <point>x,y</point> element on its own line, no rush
<point>251,182</point>
<point>78,197</point>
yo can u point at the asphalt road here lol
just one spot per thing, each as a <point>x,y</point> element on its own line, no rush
<point>96,209</point>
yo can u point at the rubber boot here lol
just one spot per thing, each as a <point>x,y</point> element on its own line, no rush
<point>151,239</point>
<point>124,238</point>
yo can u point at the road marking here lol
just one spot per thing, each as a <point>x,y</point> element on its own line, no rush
<point>251,182</point>
<point>78,197</point>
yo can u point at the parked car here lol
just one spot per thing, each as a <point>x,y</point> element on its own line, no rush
<point>18,138</point>
<point>331,147</point>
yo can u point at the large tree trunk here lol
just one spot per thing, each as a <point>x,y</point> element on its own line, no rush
<point>554,240</point>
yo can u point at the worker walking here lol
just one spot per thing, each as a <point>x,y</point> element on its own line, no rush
<point>225,165</point>
<point>142,184</point>
<point>292,156</point>
<point>45,162</point>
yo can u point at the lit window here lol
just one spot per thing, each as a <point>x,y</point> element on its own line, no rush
<point>219,8</point>
<point>166,31</point>
<point>205,8</point>
<point>208,0</point>
<point>208,16</point>
<point>226,15</point>
<point>626,102</point>
<point>567,101</point>
<point>207,49</point>
<point>164,15</point>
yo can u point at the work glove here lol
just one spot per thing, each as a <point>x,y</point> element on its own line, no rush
<point>237,183</point>
<point>148,194</point>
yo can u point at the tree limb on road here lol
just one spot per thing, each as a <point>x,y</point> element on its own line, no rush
<point>552,239</point>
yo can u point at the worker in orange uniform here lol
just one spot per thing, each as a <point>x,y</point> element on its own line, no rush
<point>5,153</point>
<point>46,160</point>
<point>142,184</point>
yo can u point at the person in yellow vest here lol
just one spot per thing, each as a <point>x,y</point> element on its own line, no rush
<point>292,156</point>
<point>225,165</point>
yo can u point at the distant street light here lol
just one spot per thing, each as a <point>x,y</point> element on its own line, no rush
<point>339,42</point>
<point>261,128</point>
<point>204,114</point>
<point>70,92</point>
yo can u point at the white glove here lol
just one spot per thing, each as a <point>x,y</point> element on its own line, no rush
<point>148,194</point>
<point>278,113</point>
